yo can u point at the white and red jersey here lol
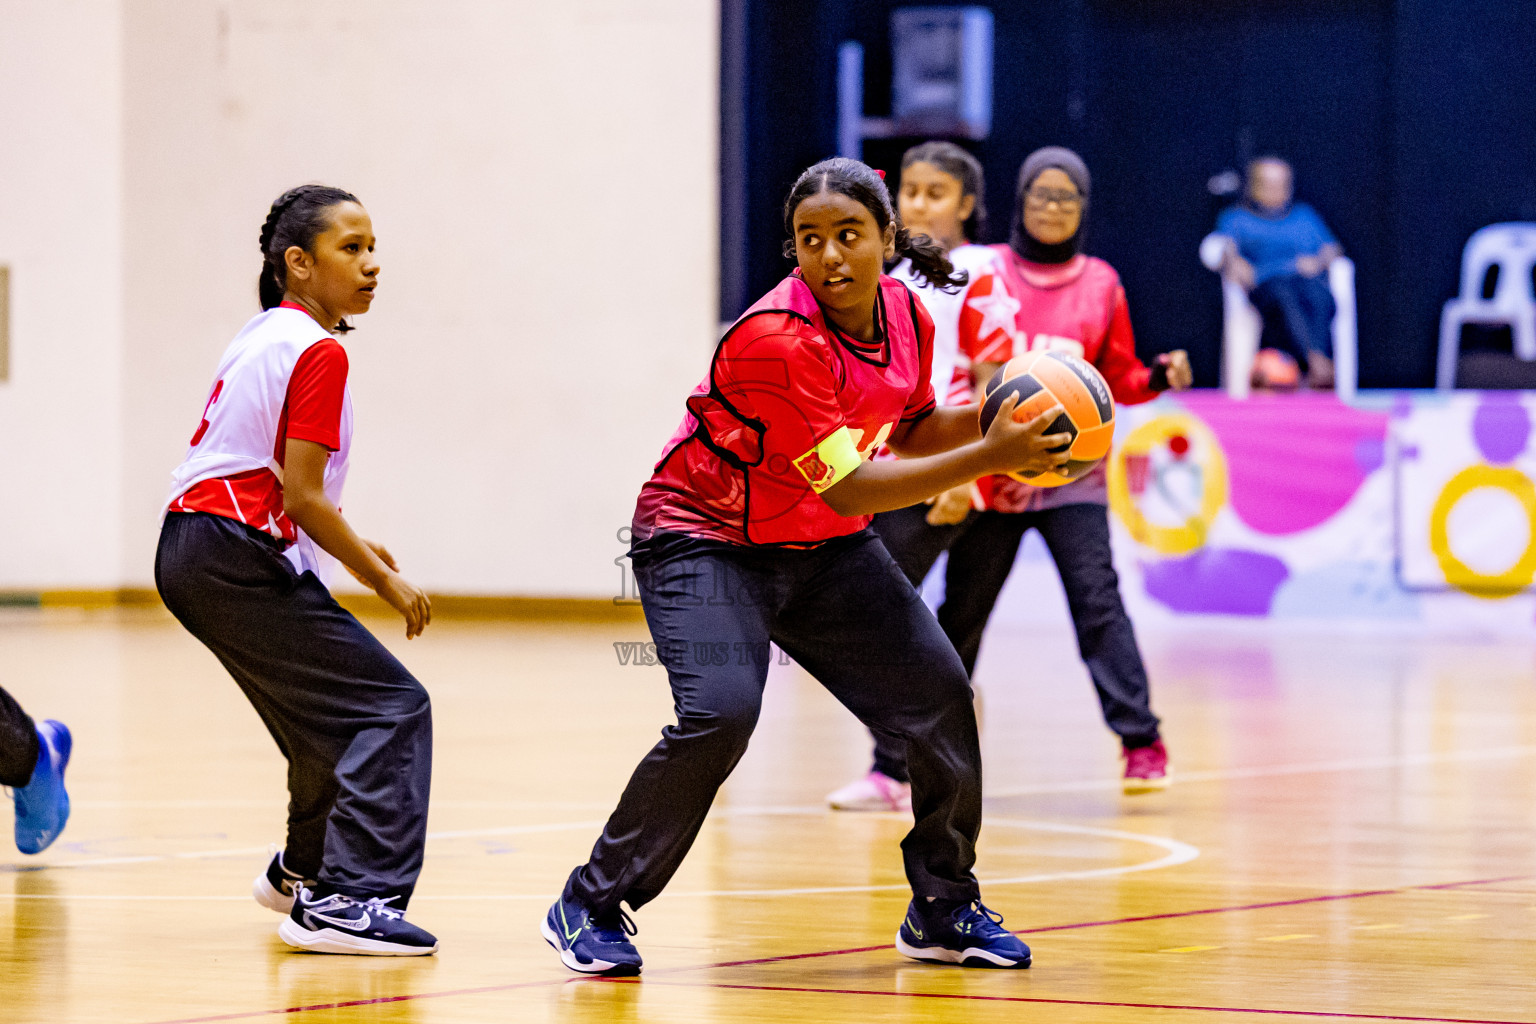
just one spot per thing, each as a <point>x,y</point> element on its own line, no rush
<point>1015,306</point>
<point>284,376</point>
<point>951,366</point>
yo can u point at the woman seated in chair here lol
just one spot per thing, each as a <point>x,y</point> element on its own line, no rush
<point>1280,252</point>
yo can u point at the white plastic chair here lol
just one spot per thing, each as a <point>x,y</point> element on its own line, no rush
<point>1511,248</point>
<point>1242,325</point>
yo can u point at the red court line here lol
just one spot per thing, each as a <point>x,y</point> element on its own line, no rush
<point>246,1015</point>
<point>1483,881</point>
<point>1076,1002</point>
<point>1333,897</point>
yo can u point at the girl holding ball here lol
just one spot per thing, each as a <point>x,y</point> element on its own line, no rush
<point>763,497</point>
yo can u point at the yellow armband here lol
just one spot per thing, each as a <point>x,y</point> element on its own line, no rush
<point>831,460</point>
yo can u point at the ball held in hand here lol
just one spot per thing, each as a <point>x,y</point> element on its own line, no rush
<point>1044,379</point>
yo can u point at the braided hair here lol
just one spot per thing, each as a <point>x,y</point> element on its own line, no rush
<point>859,182</point>
<point>296,217</point>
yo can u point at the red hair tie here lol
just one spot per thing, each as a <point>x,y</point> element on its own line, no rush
<point>881,173</point>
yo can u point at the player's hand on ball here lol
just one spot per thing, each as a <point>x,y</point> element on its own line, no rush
<point>409,600</point>
<point>1025,447</point>
<point>1180,376</point>
<point>950,507</point>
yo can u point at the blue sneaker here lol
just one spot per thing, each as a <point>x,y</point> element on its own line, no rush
<point>274,887</point>
<point>589,945</point>
<point>968,934</point>
<point>341,924</point>
<point>42,805</point>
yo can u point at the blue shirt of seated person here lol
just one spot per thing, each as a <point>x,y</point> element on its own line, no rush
<point>1271,241</point>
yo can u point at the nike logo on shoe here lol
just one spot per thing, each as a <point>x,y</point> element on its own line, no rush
<point>339,922</point>
<point>319,914</point>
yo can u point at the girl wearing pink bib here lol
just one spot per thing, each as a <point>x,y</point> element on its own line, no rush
<point>1041,292</point>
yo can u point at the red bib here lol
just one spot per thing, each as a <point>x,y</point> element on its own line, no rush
<point>790,406</point>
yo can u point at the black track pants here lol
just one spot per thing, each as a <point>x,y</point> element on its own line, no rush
<point>354,724</point>
<point>18,743</point>
<point>981,554</point>
<point>845,613</point>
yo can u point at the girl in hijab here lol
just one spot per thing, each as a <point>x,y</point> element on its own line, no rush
<point>1042,292</point>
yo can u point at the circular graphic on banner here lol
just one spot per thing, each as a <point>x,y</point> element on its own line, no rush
<point>1167,481</point>
<point>1458,573</point>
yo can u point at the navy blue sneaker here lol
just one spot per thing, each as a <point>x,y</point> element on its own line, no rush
<point>341,924</point>
<point>591,945</point>
<point>968,934</point>
<point>42,805</point>
<point>274,887</point>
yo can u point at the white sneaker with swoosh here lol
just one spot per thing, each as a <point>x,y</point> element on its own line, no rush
<point>342,924</point>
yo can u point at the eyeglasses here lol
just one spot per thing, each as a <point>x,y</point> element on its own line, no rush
<point>1040,198</point>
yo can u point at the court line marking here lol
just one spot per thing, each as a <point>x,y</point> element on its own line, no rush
<point>1170,915</point>
<point>475,833</point>
<point>1063,1002</point>
<point>1176,853</point>
<point>1076,786</point>
<point>545,983</point>
<point>248,851</point>
<point>1276,770</point>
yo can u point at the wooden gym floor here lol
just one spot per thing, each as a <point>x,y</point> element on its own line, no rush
<point>1352,836</point>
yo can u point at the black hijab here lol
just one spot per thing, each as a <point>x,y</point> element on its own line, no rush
<point>1022,242</point>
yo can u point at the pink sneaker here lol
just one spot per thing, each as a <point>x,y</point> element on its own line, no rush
<point>874,792</point>
<point>1146,768</point>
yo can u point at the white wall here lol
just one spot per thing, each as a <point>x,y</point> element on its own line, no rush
<point>60,233</point>
<point>542,178</point>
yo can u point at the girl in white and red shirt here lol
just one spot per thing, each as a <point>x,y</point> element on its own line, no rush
<point>940,195</point>
<point>1042,292</point>
<point>252,508</point>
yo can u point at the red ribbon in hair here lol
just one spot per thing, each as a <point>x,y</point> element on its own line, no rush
<point>881,173</point>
